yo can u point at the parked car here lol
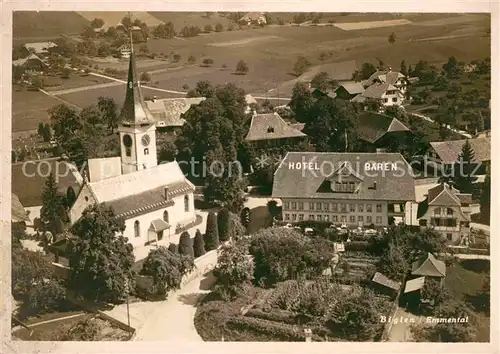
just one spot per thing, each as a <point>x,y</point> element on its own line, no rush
<point>371,232</point>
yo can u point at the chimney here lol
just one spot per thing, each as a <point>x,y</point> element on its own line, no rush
<point>165,195</point>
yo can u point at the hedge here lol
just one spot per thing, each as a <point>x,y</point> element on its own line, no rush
<point>274,315</point>
<point>357,246</point>
<point>279,331</point>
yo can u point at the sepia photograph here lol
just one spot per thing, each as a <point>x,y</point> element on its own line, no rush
<point>250,176</point>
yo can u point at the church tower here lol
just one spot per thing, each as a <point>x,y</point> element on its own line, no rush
<point>136,125</point>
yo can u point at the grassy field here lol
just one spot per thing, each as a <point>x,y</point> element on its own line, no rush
<point>76,81</point>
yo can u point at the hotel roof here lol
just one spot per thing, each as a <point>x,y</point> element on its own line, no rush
<point>449,151</point>
<point>271,126</point>
<point>393,181</point>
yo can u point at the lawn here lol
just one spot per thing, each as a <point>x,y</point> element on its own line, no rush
<point>76,80</point>
<point>466,280</point>
<point>30,108</point>
<point>50,331</point>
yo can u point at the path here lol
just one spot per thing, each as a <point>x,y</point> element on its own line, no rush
<point>402,321</point>
<point>84,88</point>
<point>78,108</point>
<point>462,133</point>
<point>172,319</point>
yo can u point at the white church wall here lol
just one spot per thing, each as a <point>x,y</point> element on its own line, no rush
<point>83,200</point>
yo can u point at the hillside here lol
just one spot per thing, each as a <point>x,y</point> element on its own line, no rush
<point>32,25</point>
<point>113,18</point>
<point>182,19</point>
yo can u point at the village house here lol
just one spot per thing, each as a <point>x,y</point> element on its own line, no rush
<point>446,211</point>
<point>29,179</point>
<point>349,90</point>
<point>380,131</point>
<point>123,51</point>
<point>339,73</point>
<point>168,112</point>
<point>31,64</point>
<point>386,86</point>
<point>156,201</point>
<point>253,18</point>
<point>355,189</point>
<point>445,154</point>
<point>270,130</point>
<point>39,48</point>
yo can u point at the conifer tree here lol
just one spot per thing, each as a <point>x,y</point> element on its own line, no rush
<point>212,233</point>
<point>464,173</point>
<point>52,208</point>
<point>199,245</point>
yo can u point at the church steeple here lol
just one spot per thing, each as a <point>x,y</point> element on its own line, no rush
<point>135,111</point>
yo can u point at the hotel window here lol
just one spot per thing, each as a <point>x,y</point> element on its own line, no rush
<point>352,219</point>
<point>287,216</point>
<point>449,211</point>
<point>449,237</point>
<point>319,217</point>
<point>294,217</point>
<point>311,217</point>
<point>369,219</point>
<point>311,206</point>
<point>394,99</point>
<point>386,100</point>
<point>137,229</point>
<point>360,208</point>
<point>351,187</point>
<point>335,207</point>
<point>301,217</point>
<point>146,151</point>
<point>360,218</point>
<point>352,208</point>
<point>422,222</point>
<point>318,206</point>
<point>343,208</point>
<point>326,217</point>
<point>186,203</point>
<point>379,208</point>
<point>343,218</point>
<point>368,208</point>
<point>294,205</point>
<point>301,205</point>
<point>326,206</point>
<point>335,218</point>
<point>286,206</point>
<point>437,211</point>
<point>379,220</point>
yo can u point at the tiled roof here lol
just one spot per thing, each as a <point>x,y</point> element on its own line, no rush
<point>379,278</point>
<point>132,184</point>
<point>270,126</point>
<point>442,196</point>
<point>168,112</point>
<point>28,179</point>
<point>148,201</point>
<point>252,16</point>
<point>372,126</point>
<point>384,76</point>
<point>18,211</point>
<point>414,284</point>
<point>449,151</point>
<point>353,87</point>
<point>377,90</point>
<point>32,56</point>
<point>429,266</point>
<point>384,184</point>
<point>40,47</point>
<point>298,126</point>
<point>159,225</point>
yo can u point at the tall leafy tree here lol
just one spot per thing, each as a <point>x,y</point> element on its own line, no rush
<point>301,102</point>
<point>464,173</point>
<point>52,210</point>
<point>101,258</point>
<point>107,108</point>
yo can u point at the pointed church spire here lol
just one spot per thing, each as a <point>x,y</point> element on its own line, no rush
<point>135,111</point>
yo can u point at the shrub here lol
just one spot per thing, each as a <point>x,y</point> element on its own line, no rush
<point>212,233</point>
<point>357,246</point>
<point>177,57</point>
<point>242,67</point>
<point>207,62</point>
<point>173,248</point>
<point>223,224</point>
<point>145,77</point>
<point>199,244</point>
<point>278,331</point>
<point>186,245</point>
<point>219,27</point>
<point>236,228</point>
<point>44,296</point>
<point>85,330</point>
<point>191,59</point>
<point>275,315</point>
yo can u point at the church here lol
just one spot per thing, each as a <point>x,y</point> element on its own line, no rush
<point>155,200</point>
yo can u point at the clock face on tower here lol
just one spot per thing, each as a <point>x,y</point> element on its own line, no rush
<point>145,140</point>
<point>127,140</point>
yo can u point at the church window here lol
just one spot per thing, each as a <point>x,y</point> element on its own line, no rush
<point>186,203</point>
<point>128,151</point>
<point>146,151</point>
<point>165,216</point>
<point>137,230</point>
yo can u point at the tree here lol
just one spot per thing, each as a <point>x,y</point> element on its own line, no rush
<point>233,269</point>
<point>245,217</point>
<point>28,269</point>
<point>427,240</point>
<point>321,81</point>
<point>208,28</point>
<point>272,207</point>
<point>452,67</point>
<point>177,57</point>
<point>435,292</point>
<point>367,69</point>
<point>191,59</point>
<point>100,258</point>
<point>45,295</point>
<point>52,209</point>
<point>208,61</point>
<point>203,88</point>
<point>236,228</point>
<point>199,244</point>
<point>392,38</point>
<point>186,245</point>
<point>403,69</point>
<point>97,23</point>
<point>394,263</point>
<point>485,200</point>
<point>241,67</point>
<point>166,269</point>
<point>211,237</point>
<point>223,224</point>
<point>164,30</point>
<point>167,151</point>
<point>301,66</point>
<point>219,27</point>
<point>107,108</point>
<point>41,129</point>
<point>145,77</point>
<point>465,177</point>
<point>301,102</point>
